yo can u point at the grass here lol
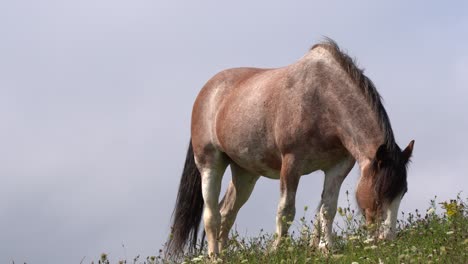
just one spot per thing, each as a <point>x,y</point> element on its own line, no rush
<point>431,237</point>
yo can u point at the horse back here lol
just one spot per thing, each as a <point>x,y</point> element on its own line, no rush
<point>255,116</point>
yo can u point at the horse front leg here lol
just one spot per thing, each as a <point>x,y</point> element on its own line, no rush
<point>289,180</point>
<point>334,176</point>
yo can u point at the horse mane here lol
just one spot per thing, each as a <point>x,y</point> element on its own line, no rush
<point>390,179</point>
<point>365,84</point>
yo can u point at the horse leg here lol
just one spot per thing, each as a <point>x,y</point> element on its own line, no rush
<point>212,170</point>
<point>289,180</point>
<point>334,177</point>
<point>238,192</point>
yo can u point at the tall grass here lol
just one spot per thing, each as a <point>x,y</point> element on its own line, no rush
<point>429,237</point>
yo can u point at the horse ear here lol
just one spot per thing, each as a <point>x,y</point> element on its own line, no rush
<point>381,153</point>
<point>408,151</point>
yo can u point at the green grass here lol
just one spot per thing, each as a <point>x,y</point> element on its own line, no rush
<point>430,237</point>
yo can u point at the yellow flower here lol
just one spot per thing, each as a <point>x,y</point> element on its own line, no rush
<point>340,211</point>
<point>452,208</point>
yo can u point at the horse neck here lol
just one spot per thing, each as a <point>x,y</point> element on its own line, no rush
<point>360,129</point>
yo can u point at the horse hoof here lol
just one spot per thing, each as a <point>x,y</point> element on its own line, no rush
<point>324,247</point>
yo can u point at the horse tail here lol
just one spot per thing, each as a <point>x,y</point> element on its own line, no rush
<point>188,210</point>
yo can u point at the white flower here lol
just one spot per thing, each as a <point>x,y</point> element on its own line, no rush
<point>369,240</point>
<point>197,259</point>
<point>431,211</point>
<point>371,247</point>
<point>450,233</point>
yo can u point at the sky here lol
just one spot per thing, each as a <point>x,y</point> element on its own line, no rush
<point>96,98</point>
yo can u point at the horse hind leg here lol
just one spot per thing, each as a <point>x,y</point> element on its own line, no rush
<point>212,169</point>
<point>289,180</point>
<point>334,177</point>
<point>238,192</point>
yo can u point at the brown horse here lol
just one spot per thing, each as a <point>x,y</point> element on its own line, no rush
<point>319,113</point>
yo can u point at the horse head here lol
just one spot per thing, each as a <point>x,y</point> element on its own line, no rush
<point>382,186</point>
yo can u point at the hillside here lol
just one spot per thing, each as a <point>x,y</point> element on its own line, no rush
<point>438,235</point>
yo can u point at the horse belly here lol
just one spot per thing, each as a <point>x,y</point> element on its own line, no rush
<point>248,141</point>
<point>257,160</point>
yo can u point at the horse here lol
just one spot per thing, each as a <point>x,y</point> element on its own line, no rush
<point>318,113</point>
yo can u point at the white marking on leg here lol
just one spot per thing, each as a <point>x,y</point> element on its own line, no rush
<point>333,179</point>
<point>237,194</point>
<point>389,225</point>
<point>211,188</point>
<point>212,175</point>
<point>285,215</point>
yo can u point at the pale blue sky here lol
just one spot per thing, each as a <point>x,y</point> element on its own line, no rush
<point>96,97</point>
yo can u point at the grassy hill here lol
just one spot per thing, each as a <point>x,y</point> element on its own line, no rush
<point>435,236</point>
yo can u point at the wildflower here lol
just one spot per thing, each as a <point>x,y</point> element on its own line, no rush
<point>451,208</point>
<point>442,249</point>
<point>340,211</point>
<point>197,259</point>
<point>369,240</point>
<point>371,247</point>
<point>354,262</point>
<point>450,233</point>
<point>244,261</point>
<point>353,238</point>
<point>431,211</point>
